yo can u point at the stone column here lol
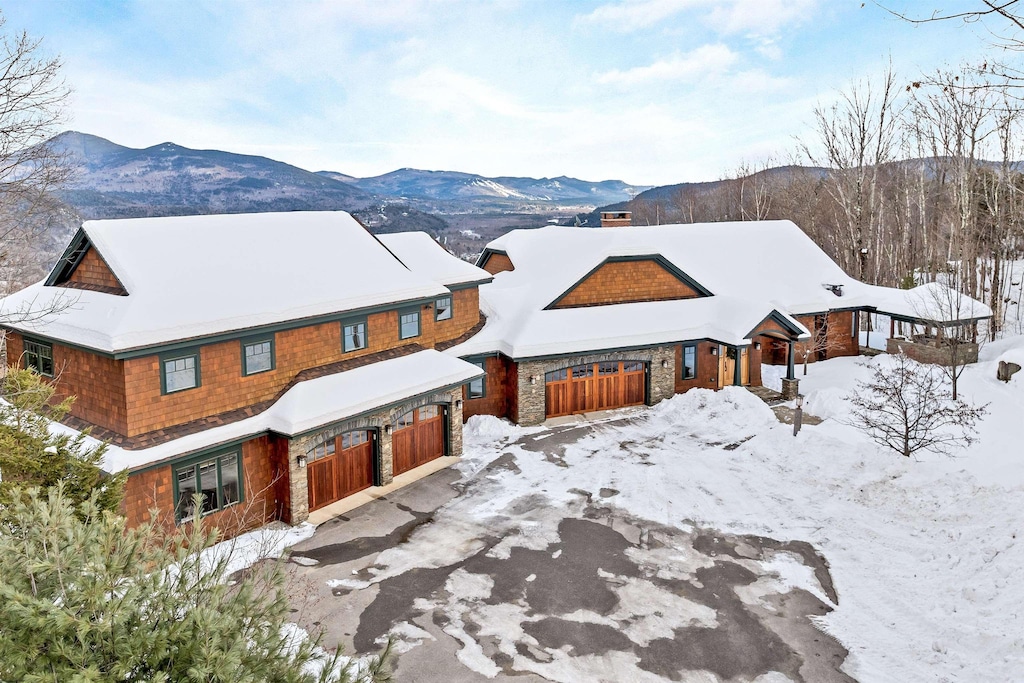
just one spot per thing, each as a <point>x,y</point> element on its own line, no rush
<point>298,484</point>
<point>387,461</point>
<point>531,394</point>
<point>790,388</point>
<point>455,423</point>
<point>663,374</point>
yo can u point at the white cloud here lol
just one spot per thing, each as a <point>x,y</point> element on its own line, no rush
<point>754,17</point>
<point>705,60</point>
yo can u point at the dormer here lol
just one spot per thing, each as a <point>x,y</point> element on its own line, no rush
<point>81,266</point>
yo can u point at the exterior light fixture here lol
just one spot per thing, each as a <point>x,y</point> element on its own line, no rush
<point>301,461</point>
<point>664,363</point>
<point>458,403</point>
<point>757,345</point>
<point>533,380</point>
<point>714,350</point>
<point>387,429</point>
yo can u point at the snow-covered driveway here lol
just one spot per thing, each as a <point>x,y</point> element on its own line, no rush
<point>683,543</point>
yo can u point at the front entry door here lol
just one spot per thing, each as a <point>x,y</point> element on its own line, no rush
<point>340,467</point>
<point>417,438</point>
<point>726,365</point>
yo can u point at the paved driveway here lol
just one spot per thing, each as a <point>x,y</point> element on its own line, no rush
<point>478,580</point>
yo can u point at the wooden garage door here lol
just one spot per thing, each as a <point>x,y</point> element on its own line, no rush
<point>594,386</point>
<point>339,467</point>
<point>417,437</point>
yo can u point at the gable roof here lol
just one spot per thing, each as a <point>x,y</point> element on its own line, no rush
<point>752,269</point>
<point>423,255</point>
<point>197,276</point>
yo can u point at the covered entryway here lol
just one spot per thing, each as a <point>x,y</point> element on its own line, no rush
<point>733,365</point>
<point>341,466</point>
<point>595,386</point>
<point>417,437</point>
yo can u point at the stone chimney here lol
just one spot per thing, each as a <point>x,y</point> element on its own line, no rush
<point>616,219</point>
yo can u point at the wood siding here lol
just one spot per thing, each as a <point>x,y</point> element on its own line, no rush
<point>224,388</point>
<point>93,272</point>
<point>498,263</point>
<point>497,390</point>
<point>707,368</point>
<point>626,282</point>
<point>261,472</point>
<point>840,338</point>
<point>96,381</point>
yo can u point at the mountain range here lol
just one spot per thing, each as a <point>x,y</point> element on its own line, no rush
<point>114,181</point>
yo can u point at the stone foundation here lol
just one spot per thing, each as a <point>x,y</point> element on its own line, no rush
<point>935,353</point>
<point>301,445</point>
<point>530,381</point>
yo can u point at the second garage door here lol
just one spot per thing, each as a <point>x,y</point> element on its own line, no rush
<point>595,386</point>
<point>340,467</point>
<point>417,438</point>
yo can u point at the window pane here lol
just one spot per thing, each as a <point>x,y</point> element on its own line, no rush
<point>444,308</point>
<point>355,336</point>
<point>229,478</point>
<point>331,446</point>
<point>180,373</point>
<point>476,387</point>
<point>258,357</point>
<point>39,357</point>
<point>409,325</point>
<point>583,370</point>
<point>186,489</point>
<point>404,421</point>
<point>556,375</point>
<point>608,368</point>
<point>689,362</point>
<point>427,412</point>
<point>208,485</point>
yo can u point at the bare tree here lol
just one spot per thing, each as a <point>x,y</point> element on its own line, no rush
<point>33,96</point>
<point>858,135</point>
<point>905,407</point>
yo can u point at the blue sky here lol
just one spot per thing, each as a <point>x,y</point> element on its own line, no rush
<point>648,91</point>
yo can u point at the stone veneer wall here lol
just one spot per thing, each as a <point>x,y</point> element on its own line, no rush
<point>926,353</point>
<point>297,482</point>
<point>532,396</point>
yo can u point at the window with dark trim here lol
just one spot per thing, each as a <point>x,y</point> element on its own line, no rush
<point>353,335</point>
<point>689,369</point>
<point>443,308</point>
<point>257,355</point>
<point>39,357</point>
<point>408,324</point>
<point>477,388</point>
<point>179,372</point>
<point>217,478</point>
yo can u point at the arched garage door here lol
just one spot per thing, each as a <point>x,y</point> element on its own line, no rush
<point>595,386</point>
<point>417,438</point>
<point>340,466</point>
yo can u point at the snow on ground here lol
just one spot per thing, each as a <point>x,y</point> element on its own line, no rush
<point>247,549</point>
<point>924,552</point>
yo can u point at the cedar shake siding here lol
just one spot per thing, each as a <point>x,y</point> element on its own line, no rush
<point>841,338</point>
<point>223,386</point>
<point>96,382</point>
<point>619,282</point>
<point>263,471</point>
<point>497,390</point>
<point>707,368</point>
<point>93,273</point>
<point>497,263</point>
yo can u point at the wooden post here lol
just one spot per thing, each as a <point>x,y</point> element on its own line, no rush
<point>791,362</point>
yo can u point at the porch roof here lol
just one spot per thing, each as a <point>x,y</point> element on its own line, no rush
<point>312,404</point>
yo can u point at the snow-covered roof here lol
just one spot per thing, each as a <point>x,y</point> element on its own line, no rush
<point>750,269</point>
<point>423,255</point>
<point>195,276</point>
<point>316,403</point>
<point>932,302</point>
